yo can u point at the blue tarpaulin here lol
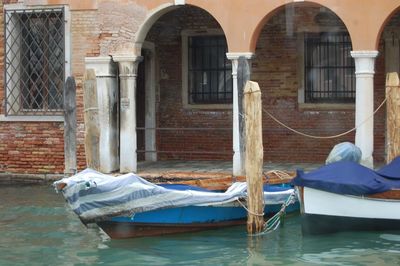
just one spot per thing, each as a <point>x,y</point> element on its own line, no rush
<point>391,170</point>
<point>351,178</point>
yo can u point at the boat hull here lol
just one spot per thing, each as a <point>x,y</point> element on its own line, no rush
<point>179,220</point>
<point>119,230</point>
<point>325,212</point>
<point>314,224</point>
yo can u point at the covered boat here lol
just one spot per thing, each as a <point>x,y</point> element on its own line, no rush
<point>348,196</point>
<point>129,206</point>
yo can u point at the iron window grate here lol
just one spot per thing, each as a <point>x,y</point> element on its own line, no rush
<point>329,68</point>
<point>34,61</point>
<point>210,72</point>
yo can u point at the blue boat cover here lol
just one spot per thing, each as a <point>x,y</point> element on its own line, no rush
<point>391,170</point>
<point>350,178</point>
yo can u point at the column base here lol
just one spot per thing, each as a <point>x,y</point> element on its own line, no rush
<point>367,162</point>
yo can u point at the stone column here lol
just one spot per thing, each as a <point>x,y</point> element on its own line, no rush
<point>364,63</point>
<point>107,96</point>
<point>241,62</point>
<point>128,65</point>
<point>150,105</point>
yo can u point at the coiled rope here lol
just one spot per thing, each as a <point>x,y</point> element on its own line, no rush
<point>324,137</point>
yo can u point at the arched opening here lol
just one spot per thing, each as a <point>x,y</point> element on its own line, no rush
<point>306,73</point>
<point>387,61</point>
<point>192,88</point>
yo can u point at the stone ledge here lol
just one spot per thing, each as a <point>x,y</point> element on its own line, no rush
<point>28,179</point>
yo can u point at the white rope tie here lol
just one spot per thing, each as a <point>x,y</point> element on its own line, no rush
<point>275,221</point>
<point>324,137</point>
<point>91,109</point>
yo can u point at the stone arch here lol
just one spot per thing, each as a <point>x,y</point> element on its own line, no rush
<point>157,13</point>
<point>150,19</point>
<point>257,30</point>
<point>385,23</point>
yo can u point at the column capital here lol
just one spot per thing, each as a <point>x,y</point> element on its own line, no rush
<point>127,58</point>
<point>364,62</point>
<point>364,54</point>
<point>102,65</point>
<point>236,55</point>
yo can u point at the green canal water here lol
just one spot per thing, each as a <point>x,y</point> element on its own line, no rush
<point>37,228</point>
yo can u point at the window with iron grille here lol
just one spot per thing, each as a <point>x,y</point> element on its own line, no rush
<point>210,72</point>
<point>34,61</point>
<point>329,68</point>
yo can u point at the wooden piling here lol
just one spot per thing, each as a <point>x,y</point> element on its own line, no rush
<point>243,75</point>
<point>91,118</point>
<point>254,157</point>
<point>392,116</point>
<point>70,126</point>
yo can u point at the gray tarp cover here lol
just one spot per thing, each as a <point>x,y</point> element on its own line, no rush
<point>94,196</point>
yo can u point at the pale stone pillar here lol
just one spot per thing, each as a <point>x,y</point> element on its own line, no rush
<point>364,63</point>
<point>237,110</point>
<point>107,96</point>
<point>128,65</point>
<point>150,104</point>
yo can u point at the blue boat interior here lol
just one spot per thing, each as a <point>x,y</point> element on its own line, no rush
<point>183,187</point>
<point>202,214</point>
<point>351,178</point>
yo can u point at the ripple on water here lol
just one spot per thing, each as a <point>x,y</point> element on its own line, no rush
<point>36,227</point>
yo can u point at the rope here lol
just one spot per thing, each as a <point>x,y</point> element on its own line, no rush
<point>325,137</point>
<point>253,213</point>
<point>91,109</point>
<point>276,220</point>
<point>280,174</point>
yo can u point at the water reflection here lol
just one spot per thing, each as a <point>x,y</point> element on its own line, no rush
<point>37,228</point>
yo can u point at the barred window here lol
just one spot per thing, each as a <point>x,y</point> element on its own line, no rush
<point>34,61</point>
<point>210,72</point>
<point>329,68</point>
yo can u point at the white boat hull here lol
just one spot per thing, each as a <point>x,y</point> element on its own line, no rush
<point>329,212</point>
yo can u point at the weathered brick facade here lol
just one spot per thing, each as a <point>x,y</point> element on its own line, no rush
<point>216,144</point>
<point>275,67</point>
<point>37,147</point>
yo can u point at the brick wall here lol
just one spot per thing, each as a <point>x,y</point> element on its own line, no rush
<point>275,67</point>
<point>31,147</point>
<point>213,144</point>
<point>38,147</point>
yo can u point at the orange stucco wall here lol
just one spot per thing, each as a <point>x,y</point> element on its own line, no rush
<point>242,20</point>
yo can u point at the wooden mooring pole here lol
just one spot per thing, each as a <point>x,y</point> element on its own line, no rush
<point>254,157</point>
<point>70,126</point>
<point>91,117</point>
<point>392,116</point>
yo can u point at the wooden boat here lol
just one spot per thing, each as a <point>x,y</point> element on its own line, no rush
<point>193,218</point>
<point>345,196</point>
<point>177,218</point>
